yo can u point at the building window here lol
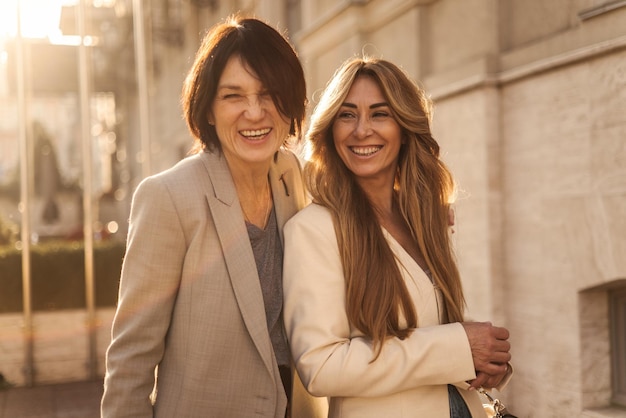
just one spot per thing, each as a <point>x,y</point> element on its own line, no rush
<point>618,344</point>
<point>602,316</point>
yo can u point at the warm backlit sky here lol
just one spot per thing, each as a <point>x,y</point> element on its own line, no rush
<point>40,18</point>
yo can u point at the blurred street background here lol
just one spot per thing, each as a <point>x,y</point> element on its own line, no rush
<point>60,400</point>
<point>529,109</point>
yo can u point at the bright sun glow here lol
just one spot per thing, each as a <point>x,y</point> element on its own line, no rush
<point>40,18</point>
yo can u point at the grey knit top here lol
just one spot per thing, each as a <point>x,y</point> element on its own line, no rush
<point>268,253</point>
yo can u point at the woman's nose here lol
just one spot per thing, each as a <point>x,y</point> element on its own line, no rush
<point>363,128</point>
<point>255,108</point>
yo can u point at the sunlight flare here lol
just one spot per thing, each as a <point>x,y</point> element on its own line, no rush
<point>39,18</point>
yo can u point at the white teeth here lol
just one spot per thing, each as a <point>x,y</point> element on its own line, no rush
<point>255,133</point>
<point>365,150</point>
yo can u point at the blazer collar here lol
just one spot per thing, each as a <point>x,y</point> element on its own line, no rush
<point>282,178</point>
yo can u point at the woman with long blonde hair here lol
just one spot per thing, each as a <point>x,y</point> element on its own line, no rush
<point>374,305</point>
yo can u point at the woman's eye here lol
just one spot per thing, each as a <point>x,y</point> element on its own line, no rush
<point>231,96</point>
<point>345,115</point>
<point>380,114</point>
<point>265,97</point>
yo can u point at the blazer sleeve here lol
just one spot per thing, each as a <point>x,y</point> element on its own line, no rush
<point>149,284</point>
<point>331,357</point>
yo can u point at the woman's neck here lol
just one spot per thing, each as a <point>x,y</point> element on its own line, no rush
<point>255,195</point>
<point>379,189</point>
<point>391,219</point>
<point>382,199</point>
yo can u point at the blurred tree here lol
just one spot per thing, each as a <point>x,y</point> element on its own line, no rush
<point>47,175</point>
<point>8,233</point>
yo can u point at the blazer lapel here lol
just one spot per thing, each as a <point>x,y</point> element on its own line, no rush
<point>281,183</point>
<point>288,195</point>
<point>231,230</point>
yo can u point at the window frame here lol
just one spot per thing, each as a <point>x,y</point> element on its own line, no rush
<point>617,321</point>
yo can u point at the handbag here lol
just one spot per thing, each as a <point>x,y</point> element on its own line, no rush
<point>493,407</point>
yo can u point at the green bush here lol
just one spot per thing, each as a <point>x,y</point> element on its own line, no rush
<point>58,275</point>
<point>8,235</point>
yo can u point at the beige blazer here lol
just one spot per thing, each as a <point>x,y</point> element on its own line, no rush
<point>190,301</point>
<point>410,377</point>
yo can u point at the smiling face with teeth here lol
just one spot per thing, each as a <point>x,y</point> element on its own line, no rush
<point>249,126</point>
<point>366,135</point>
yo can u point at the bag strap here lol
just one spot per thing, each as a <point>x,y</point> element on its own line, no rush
<point>498,407</point>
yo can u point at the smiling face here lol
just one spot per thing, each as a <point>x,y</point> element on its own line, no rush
<point>366,135</point>
<point>249,127</point>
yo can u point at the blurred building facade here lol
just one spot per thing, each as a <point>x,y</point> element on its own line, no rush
<point>530,112</point>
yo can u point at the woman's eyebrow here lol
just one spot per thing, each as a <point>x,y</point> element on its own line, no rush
<point>229,87</point>
<point>372,106</point>
<point>381,104</point>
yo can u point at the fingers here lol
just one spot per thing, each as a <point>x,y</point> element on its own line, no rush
<point>500,351</point>
<point>489,381</point>
<point>500,333</point>
<point>494,369</point>
<point>486,381</point>
<point>490,349</point>
<point>480,381</point>
<point>501,357</point>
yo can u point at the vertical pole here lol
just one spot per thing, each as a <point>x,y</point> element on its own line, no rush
<point>25,193</point>
<point>84,76</point>
<point>142,86</point>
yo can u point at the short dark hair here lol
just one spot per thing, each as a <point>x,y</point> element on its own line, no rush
<point>261,47</point>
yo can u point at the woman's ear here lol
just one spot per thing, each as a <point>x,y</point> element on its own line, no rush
<point>451,218</point>
<point>210,118</point>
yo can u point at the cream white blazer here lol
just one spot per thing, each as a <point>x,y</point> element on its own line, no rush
<point>410,377</point>
<point>190,302</point>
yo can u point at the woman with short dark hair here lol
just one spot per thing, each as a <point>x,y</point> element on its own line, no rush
<point>199,317</point>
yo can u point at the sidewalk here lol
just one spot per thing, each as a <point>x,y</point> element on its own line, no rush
<point>64,400</point>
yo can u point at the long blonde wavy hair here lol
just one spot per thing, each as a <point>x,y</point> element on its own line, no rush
<point>376,296</point>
